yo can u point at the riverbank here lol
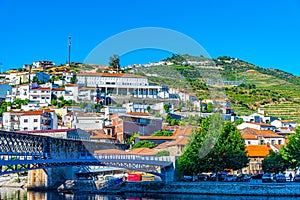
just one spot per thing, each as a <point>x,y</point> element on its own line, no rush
<point>209,188</point>
<point>13,182</point>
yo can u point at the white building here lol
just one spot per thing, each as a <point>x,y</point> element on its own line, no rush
<point>261,137</point>
<point>284,123</point>
<point>30,120</point>
<point>84,121</point>
<point>72,89</point>
<point>257,126</point>
<point>43,95</point>
<point>119,84</point>
<point>42,63</point>
<point>20,91</point>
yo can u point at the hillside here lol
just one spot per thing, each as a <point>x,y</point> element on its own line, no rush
<point>276,91</point>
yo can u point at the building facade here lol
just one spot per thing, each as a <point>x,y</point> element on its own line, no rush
<point>119,84</point>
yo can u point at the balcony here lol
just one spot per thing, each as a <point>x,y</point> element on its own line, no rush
<point>46,115</point>
<point>46,122</point>
<point>14,120</point>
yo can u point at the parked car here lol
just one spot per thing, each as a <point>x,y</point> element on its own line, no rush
<point>267,178</point>
<point>297,178</point>
<point>243,178</point>
<point>280,178</point>
<point>257,176</point>
<point>221,177</point>
<point>202,177</point>
<point>230,178</point>
<point>187,178</point>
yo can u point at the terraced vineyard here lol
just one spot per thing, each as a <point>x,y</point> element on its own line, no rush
<point>287,107</point>
<point>277,92</point>
<point>288,110</point>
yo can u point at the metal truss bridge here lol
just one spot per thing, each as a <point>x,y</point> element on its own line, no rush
<point>22,152</point>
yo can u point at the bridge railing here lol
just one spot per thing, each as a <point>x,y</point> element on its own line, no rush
<point>132,157</point>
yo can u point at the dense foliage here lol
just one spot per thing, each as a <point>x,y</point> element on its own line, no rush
<point>144,144</point>
<point>215,147</point>
<point>162,133</point>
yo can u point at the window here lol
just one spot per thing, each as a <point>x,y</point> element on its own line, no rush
<point>272,142</point>
<point>262,142</point>
<point>25,120</point>
<point>249,142</point>
<point>25,129</point>
<point>279,142</point>
<point>35,120</point>
<point>35,128</point>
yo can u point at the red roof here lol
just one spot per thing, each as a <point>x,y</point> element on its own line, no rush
<point>37,112</point>
<point>71,85</point>
<point>258,150</point>
<point>109,75</point>
<point>46,88</point>
<point>59,89</point>
<point>139,113</point>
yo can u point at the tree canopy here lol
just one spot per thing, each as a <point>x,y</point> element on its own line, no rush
<point>291,152</point>
<point>114,61</point>
<point>162,133</point>
<point>274,163</point>
<point>215,147</point>
<point>144,144</point>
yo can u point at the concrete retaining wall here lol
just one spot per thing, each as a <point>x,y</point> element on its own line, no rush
<point>251,189</point>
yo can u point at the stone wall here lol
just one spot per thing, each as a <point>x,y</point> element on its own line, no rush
<point>251,189</point>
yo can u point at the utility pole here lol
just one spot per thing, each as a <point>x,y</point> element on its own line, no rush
<point>69,50</point>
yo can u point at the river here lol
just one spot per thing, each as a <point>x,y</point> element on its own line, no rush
<point>21,194</point>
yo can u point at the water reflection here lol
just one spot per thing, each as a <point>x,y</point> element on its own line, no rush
<point>21,194</point>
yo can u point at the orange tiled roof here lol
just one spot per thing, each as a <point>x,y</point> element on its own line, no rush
<point>109,74</point>
<point>177,142</point>
<point>157,137</point>
<point>139,113</point>
<point>45,88</point>
<point>37,112</point>
<point>111,151</point>
<point>263,133</point>
<point>71,85</point>
<point>287,121</point>
<point>248,136</point>
<point>59,89</point>
<point>143,151</point>
<point>258,150</point>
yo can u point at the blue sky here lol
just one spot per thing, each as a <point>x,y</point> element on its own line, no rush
<point>265,33</point>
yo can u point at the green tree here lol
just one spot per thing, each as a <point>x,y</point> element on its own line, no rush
<point>189,163</point>
<point>229,151</point>
<point>114,61</point>
<point>274,163</point>
<point>73,79</point>
<point>61,98</point>
<point>53,102</point>
<point>144,144</point>
<point>214,148</point>
<point>163,153</point>
<point>238,122</point>
<point>162,133</point>
<point>131,139</point>
<point>167,108</point>
<point>291,152</point>
<point>148,109</point>
<point>209,107</point>
<point>35,79</point>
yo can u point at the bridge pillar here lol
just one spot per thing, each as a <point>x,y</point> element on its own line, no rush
<point>168,173</point>
<point>49,178</point>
